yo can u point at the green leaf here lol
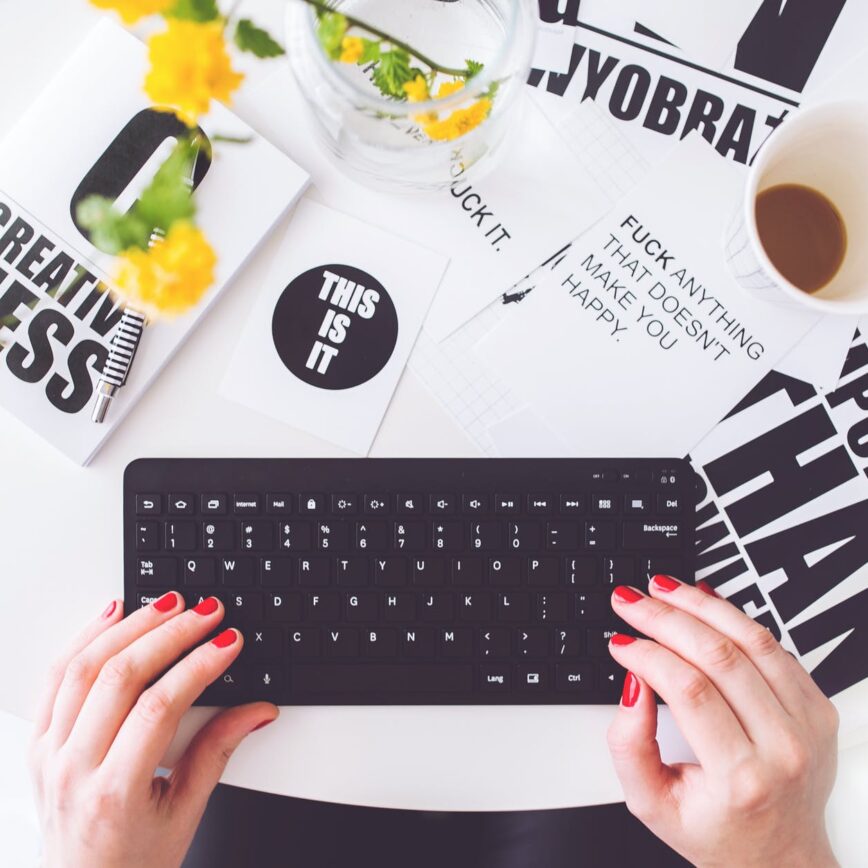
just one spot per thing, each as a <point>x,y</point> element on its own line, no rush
<point>370,51</point>
<point>393,72</point>
<point>474,67</point>
<point>249,37</point>
<point>111,231</point>
<point>194,10</point>
<point>331,29</point>
<point>168,198</point>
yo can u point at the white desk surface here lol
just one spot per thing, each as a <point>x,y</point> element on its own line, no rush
<point>61,561</point>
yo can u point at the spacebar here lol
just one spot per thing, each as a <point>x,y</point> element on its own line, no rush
<point>387,678</point>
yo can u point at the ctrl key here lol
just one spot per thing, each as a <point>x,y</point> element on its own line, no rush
<point>575,678</point>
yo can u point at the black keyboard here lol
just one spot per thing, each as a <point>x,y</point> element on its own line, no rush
<point>409,581</point>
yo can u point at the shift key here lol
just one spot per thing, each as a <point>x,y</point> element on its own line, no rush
<point>652,535</point>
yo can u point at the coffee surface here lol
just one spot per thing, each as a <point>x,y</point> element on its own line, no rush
<point>803,234</point>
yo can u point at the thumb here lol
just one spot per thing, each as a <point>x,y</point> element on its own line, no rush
<point>200,768</point>
<point>632,739</point>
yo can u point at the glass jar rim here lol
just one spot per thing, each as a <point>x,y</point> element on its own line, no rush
<point>481,82</point>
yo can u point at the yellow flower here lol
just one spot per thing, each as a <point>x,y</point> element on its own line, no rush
<point>351,49</point>
<point>170,277</point>
<point>449,87</point>
<point>459,123</point>
<point>132,10</point>
<point>189,67</point>
<point>416,90</point>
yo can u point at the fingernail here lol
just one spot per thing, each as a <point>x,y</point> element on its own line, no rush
<point>630,693</point>
<point>208,606</point>
<point>627,594</point>
<point>225,639</point>
<point>167,602</point>
<point>264,723</point>
<point>707,589</point>
<point>109,610</point>
<point>665,583</point>
<point>622,639</point>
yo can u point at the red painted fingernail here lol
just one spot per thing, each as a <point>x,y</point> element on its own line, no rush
<point>109,610</point>
<point>167,602</point>
<point>208,606</point>
<point>225,639</point>
<point>665,583</point>
<point>622,639</point>
<point>264,723</point>
<point>630,693</point>
<point>627,595</point>
<point>707,589</point>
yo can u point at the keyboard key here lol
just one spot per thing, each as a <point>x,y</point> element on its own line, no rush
<point>513,607</point>
<point>637,504</point>
<point>486,536</point>
<point>304,643</point>
<point>572,504</point>
<point>429,572</point>
<point>380,643</point>
<point>437,607</point>
<point>257,536</point>
<point>474,504</point>
<point>582,571</point>
<point>532,678</point>
<point>552,608</point>
<point>296,536</point>
<point>525,536</point>
<point>604,504</point>
<point>592,606</point>
<point>442,504</point>
<point>283,607</point>
<point>645,535</point>
<point>600,535</point>
<point>263,643</point>
<point>532,643</point>
<point>361,607</point>
<point>247,504</point>
<point>383,678</point>
<point>539,504</point>
<point>542,572</point>
<point>574,677</point>
<point>372,536</point>
<point>376,504</point>
<point>618,570</point>
<point>455,643</point>
<point>145,598</point>
<point>149,504</point>
<point>666,566</point>
<point>157,571</point>
<point>342,642</point>
<point>610,676</point>
<point>418,643</point>
<point>323,607</point>
<point>345,504</point>
<point>598,641</point>
<point>147,536</point>
<point>409,536</point>
<point>474,607</point>
<point>494,679</point>
<point>448,536</point>
<point>249,607</point>
<point>238,571</point>
<point>180,536</point>
<point>266,681</point>
<point>399,607</point>
<point>213,504</point>
<point>668,504</point>
<point>218,536</point>
<point>503,572</point>
<point>568,642</point>
<point>333,535</point>
<point>180,504</point>
<point>275,572</point>
<point>200,572</point>
<point>494,643</point>
<point>507,504</point>
<point>562,536</point>
<point>467,572</point>
<point>410,504</point>
<point>352,572</point>
<point>311,504</point>
<point>391,572</point>
<point>313,572</point>
<point>278,504</point>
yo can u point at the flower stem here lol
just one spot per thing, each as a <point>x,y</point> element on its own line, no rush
<point>322,6</point>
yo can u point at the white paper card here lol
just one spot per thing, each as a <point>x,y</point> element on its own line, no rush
<point>640,341</point>
<point>536,193</point>
<point>706,31</point>
<point>819,357</point>
<point>554,47</point>
<point>330,333</point>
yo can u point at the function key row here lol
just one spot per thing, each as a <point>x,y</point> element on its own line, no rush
<point>313,504</point>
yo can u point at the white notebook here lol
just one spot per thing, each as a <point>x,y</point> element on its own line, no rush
<point>93,129</point>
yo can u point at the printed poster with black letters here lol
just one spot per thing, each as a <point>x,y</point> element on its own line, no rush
<point>93,131</point>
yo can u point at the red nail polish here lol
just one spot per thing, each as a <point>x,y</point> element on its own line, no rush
<point>264,723</point>
<point>208,606</point>
<point>109,610</point>
<point>622,639</point>
<point>707,589</point>
<point>626,594</point>
<point>167,602</point>
<point>225,639</point>
<point>665,583</point>
<point>630,693</point>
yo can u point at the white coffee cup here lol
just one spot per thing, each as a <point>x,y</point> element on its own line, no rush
<point>825,148</point>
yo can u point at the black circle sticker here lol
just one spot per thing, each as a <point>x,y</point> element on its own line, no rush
<point>335,327</point>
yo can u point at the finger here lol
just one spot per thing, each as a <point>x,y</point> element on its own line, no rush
<point>632,738</point>
<point>83,668</point>
<point>124,676</point>
<point>112,613</point>
<point>732,673</point>
<point>150,727</point>
<point>204,761</point>
<point>790,684</point>
<point>704,718</point>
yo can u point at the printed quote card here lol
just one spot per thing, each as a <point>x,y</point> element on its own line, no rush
<point>640,341</point>
<point>329,336</point>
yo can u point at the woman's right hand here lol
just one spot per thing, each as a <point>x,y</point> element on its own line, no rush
<point>111,709</point>
<point>763,732</point>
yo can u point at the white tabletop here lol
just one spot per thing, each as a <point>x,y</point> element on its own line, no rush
<point>61,561</point>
